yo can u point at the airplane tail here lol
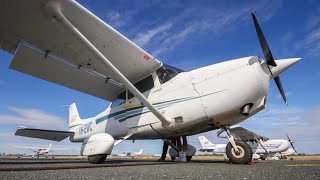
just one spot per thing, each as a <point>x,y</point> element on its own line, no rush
<point>204,141</point>
<point>74,118</point>
<point>140,152</point>
<point>49,146</point>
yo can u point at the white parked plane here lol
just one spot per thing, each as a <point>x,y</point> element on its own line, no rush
<point>260,145</point>
<point>285,154</point>
<point>62,42</point>
<point>40,151</point>
<point>137,153</point>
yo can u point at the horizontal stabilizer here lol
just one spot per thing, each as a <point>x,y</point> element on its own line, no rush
<point>43,134</point>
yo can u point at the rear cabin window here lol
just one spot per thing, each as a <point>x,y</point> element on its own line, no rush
<point>143,86</point>
<point>166,72</point>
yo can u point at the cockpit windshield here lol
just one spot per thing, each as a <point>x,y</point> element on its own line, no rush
<point>167,72</point>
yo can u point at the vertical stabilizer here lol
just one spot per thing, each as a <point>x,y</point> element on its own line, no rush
<point>204,142</point>
<point>49,147</point>
<point>74,118</point>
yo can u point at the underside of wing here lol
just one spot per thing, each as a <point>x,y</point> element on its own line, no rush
<point>246,134</point>
<point>43,134</point>
<point>25,147</point>
<point>26,22</point>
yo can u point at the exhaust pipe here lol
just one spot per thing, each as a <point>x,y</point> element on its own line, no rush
<point>245,109</point>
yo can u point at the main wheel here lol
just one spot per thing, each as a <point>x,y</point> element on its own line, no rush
<point>173,158</point>
<point>189,158</point>
<point>97,159</point>
<point>243,157</point>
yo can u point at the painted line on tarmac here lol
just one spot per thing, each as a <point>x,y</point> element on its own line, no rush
<point>302,165</point>
<point>78,167</point>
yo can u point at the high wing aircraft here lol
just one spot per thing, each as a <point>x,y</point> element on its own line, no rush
<point>285,154</point>
<point>40,151</point>
<point>62,42</point>
<point>137,153</point>
<point>260,145</point>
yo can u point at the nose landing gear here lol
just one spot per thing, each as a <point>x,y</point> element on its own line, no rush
<point>237,151</point>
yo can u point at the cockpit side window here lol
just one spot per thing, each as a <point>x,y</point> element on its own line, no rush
<point>166,72</point>
<point>143,86</point>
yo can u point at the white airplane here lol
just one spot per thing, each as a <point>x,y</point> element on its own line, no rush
<point>137,153</point>
<point>39,151</point>
<point>285,154</point>
<point>64,43</point>
<point>261,146</point>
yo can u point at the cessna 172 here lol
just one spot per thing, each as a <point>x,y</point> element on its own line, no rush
<point>261,146</point>
<point>62,42</point>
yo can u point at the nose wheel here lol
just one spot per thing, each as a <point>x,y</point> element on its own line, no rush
<point>241,155</point>
<point>238,152</point>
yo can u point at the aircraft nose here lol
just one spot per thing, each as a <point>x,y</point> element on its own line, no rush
<point>283,65</point>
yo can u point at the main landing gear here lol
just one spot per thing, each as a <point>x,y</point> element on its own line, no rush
<point>237,151</point>
<point>97,159</point>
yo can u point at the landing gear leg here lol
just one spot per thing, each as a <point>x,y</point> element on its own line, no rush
<point>238,152</point>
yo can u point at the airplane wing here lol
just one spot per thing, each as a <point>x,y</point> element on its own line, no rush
<point>45,49</point>
<point>25,147</point>
<point>43,134</point>
<point>245,134</point>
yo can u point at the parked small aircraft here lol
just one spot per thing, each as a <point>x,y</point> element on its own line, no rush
<point>39,151</point>
<point>285,154</point>
<point>64,43</point>
<point>261,146</point>
<point>137,153</point>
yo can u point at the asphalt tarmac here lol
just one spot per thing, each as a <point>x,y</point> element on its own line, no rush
<point>150,169</point>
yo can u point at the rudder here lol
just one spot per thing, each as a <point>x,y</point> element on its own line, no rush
<point>204,141</point>
<point>74,118</point>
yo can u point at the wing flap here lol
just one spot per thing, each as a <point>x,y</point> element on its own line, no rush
<point>37,63</point>
<point>43,134</point>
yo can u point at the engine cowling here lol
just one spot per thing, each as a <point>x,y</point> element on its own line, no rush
<point>191,150</point>
<point>101,143</point>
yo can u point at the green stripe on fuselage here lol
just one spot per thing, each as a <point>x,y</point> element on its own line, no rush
<point>132,112</point>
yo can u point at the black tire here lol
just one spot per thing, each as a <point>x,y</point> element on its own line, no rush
<point>97,159</point>
<point>173,158</point>
<point>189,158</point>
<point>245,155</point>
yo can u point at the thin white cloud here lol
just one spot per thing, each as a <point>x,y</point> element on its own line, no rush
<point>33,117</point>
<point>199,20</point>
<point>115,19</point>
<point>144,38</point>
<point>301,124</point>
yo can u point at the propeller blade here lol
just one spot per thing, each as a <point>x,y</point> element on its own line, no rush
<point>263,42</point>
<point>279,85</point>
<point>288,137</point>
<point>291,143</point>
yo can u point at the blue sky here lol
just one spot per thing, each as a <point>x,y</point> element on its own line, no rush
<point>188,35</point>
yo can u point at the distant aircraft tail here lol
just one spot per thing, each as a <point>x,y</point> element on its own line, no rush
<point>204,141</point>
<point>140,152</point>
<point>49,147</point>
<point>74,118</point>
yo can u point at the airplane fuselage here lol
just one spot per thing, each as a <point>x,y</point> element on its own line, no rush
<point>272,146</point>
<point>200,100</point>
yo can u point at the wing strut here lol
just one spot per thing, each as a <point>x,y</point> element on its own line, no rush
<point>54,10</point>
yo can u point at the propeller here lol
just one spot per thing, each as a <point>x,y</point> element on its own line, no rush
<point>268,56</point>
<point>291,142</point>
